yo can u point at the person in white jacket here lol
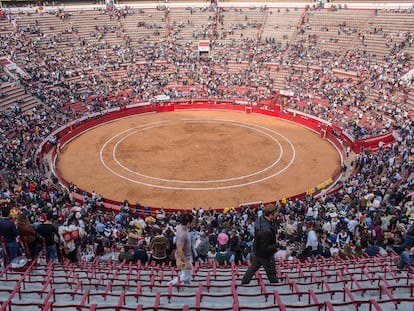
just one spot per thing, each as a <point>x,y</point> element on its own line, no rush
<point>70,235</point>
<point>312,239</point>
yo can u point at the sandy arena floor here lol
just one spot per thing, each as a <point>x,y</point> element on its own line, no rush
<point>187,159</point>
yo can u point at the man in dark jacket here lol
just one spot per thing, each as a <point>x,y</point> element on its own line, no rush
<point>49,232</point>
<point>264,246</point>
<point>8,231</point>
<point>140,254</point>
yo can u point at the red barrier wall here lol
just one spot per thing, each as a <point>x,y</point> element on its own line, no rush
<point>372,142</point>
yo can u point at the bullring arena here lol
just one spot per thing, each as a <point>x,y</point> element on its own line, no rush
<point>192,159</point>
<point>117,117</point>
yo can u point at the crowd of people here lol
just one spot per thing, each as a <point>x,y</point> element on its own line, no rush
<point>370,214</point>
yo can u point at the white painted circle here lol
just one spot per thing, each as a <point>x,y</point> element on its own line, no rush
<point>254,127</point>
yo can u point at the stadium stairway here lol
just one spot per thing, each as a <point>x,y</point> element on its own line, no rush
<point>367,283</point>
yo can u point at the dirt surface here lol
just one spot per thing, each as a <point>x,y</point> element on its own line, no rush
<point>187,159</point>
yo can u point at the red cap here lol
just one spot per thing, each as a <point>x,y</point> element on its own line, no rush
<point>42,217</point>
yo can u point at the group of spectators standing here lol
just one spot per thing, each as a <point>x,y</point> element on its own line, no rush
<point>370,214</point>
